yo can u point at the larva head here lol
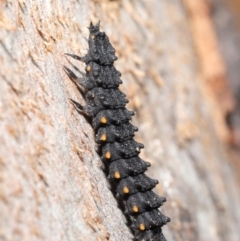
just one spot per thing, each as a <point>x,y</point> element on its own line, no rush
<point>94,29</point>
<point>100,49</point>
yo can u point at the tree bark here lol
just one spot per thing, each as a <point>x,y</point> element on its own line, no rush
<point>52,183</point>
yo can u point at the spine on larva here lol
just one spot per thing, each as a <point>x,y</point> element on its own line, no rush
<point>105,104</point>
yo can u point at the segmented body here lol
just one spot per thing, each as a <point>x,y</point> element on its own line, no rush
<point>105,104</point>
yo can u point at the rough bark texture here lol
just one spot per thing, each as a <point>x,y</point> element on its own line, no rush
<point>52,185</point>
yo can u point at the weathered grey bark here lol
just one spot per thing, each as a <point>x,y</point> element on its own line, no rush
<point>52,184</point>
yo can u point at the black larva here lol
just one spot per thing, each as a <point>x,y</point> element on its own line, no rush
<point>105,104</point>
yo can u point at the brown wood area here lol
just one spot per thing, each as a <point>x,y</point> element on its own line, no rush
<point>179,77</point>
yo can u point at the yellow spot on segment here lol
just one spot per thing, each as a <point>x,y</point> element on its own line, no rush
<point>126,190</point>
<point>103,137</point>
<point>142,227</point>
<point>93,37</point>
<point>135,209</point>
<point>103,120</point>
<point>108,155</point>
<point>117,175</point>
<point>88,68</point>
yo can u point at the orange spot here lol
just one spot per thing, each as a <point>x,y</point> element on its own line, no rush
<point>108,155</point>
<point>126,190</point>
<point>103,120</point>
<point>117,175</point>
<point>103,137</point>
<point>135,209</point>
<point>88,68</point>
<point>142,227</point>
